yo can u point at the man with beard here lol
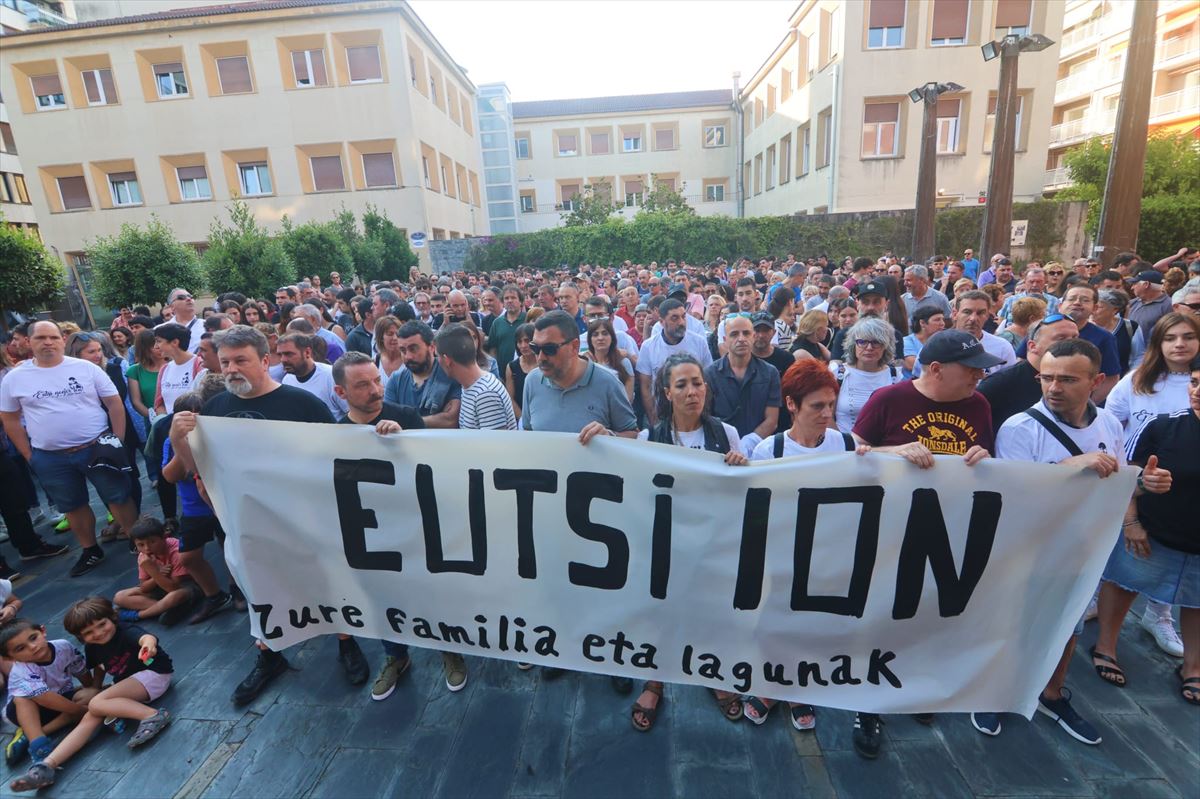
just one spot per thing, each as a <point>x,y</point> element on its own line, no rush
<point>422,384</point>
<point>252,394</point>
<point>296,355</point>
<point>675,337</point>
<point>764,331</point>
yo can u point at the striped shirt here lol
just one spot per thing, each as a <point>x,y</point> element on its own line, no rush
<point>486,406</point>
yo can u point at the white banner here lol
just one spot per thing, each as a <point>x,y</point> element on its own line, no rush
<point>857,582</point>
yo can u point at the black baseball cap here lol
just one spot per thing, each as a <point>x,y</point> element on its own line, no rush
<point>678,288</point>
<point>762,319</point>
<point>1150,276</point>
<point>874,287</point>
<point>957,346</point>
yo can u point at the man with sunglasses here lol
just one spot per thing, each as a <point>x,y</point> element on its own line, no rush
<point>183,304</point>
<point>970,264</point>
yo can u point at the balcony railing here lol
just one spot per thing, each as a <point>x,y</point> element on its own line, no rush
<point>1177,46</point>
<point>1067,131</point>
<point>38,12</point>
<point>1185,101</point>
<point>1057,177</point>
<point>1077,84</point>
<point>1080,36</point>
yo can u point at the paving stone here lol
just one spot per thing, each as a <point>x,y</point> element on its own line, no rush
<point>1023,760</point>
<point>1142,789</point>
<point>163,766</point>
<point>551,716</point>
<point>928,767</point>
<point>853,776</point>
<point>485,754</point>
<point>772,753</point>
<point>358,772</point>
<point>1173,756</point>
<point>702,780</point>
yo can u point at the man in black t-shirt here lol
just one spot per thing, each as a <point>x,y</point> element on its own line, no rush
<point>1015,388</point>
<point>252,394</point>
<point>764,331</point>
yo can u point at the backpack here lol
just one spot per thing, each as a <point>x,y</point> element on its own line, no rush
<point>777,443</point>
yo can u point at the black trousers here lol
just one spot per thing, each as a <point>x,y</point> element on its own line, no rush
<point>14,506</point>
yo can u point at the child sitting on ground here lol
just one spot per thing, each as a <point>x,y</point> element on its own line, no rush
<point>165,590</point>
<point>43,696</point>
<point>141,673</point>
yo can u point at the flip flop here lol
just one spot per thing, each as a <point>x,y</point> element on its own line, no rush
<point>761,710</point>
<point>731,706</point>
<point>1112,674</point>
<point>800,711</point>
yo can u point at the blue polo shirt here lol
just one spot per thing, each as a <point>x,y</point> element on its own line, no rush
<point>1110,359</point>
<point>429,398</point>
<point>598,396</point>
<point>743,403</point>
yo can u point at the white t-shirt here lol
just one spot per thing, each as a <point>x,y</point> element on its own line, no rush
<point>486,405</point>
<point>694,325</point>
<point>1023,438</point>
<point>857,388</point>
<point>196,328</point>
<point>1001,349</point>
<point>834,442</point>
<point>175,380</point>
<point>60,404</point>
<point>320,385</point>
<point>694,439</point>
<point>1133,410</point>
<point>655,351</point>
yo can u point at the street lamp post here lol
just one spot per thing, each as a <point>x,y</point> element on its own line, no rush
<point>922,244</point>
<point>997,213</point>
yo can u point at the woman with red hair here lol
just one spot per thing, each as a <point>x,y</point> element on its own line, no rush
<point>810,392</point>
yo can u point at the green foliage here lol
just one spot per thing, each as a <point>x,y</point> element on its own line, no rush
<point>30,277</point>
<point>1168,223</point>
<point>593,207</point>
<point>318,248</point>
<point>141,265</point>
<point>385,248</point>
<point>663,199</point>
<point>244,257</point>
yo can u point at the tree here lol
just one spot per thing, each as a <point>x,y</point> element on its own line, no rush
<point>318,248</point>
<point>142,265</point>
<point>243,257</point>
<point>664,199</point>
<point>30,277</point>
<point>593,207</point>
<point>384,251</point>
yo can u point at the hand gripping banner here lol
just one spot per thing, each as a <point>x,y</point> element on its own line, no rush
<point>856,582</point>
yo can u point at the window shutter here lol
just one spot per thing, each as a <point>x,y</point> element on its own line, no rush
<point>327,173</point>
<point>569,191</point>
<point>319,77</point>
<point>300,67</point>
<point>668,182</point>
<point>882,112</point>
<point>117,177</point>
<point>566,142</point>
<point>634,187</point>
<point>46,84</point>
<point>74,193</point>
<point>90,87</point>
<point>1012,13</point>
<point>379,169</point>
<point>192,173</point>
<point>948,107</point>
<point>664,139</point>
<point>234,74</point>
<point>887,14</point>
<point>950,19</point>
<point>164,69</point>
<point>364,63</point>
<point>110,87</point>
<point>599,143</point>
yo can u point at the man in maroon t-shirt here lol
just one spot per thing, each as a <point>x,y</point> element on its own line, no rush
<point>939,413</point>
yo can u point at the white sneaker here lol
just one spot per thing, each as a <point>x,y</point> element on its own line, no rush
<point>1164,632</point>
<point>1093,610</point>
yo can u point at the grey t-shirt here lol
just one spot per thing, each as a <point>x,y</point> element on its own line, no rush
<point>597,397</point>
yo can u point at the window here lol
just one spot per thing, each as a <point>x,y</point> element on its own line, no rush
<point>527,203</point>
<point>989,123</point>
<point>22,189</point>
<point>379,170</point>
<point>631,142</point>
<point>124,188</point>
<point>48,92</point>
<point>255,179</point>
<point>804,162</point>
<point>364,64</point>
<point>949,22</point>
<point>759,111</point>
<point>714,193</point>
<point>948,110</point>
<point>98,87</point>
<point>327,173</point>
<point>664,138</point>
<point>523,147</point>
<point>633,192</point>
<point>570,196</point>
<point>785,159</point>
<point>445,178</point>
<point>758,172</point>
<point>74,194</point>
<point>770,173</point>
<point>193,183</point>
<point>835,32</point>
<point>812,48</point>
<point>600,143</point>
<point>7,143</point>
<point>885,24</point>
<point>309,67</point>
<point>425,172</point>
<point>6,193</point>
<point>170,80</point>
<point>1012,17</point>
<point>714,135</point>
<point>785,85</point>
<point>824,138</point>
<point>234,75</point>
<point>412,70</point>
<point>771,99</point>
<point>568,144</point>
<point>879,129</point>
<point>433,92</point>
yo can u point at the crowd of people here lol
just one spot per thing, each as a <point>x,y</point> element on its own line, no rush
<point>1080,366</point>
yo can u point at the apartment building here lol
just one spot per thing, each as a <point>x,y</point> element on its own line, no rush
<point>621,146</point>
<point>298,107</point>
<point>16,204</point>
<point>1092,65</point>
<point>828,125</point>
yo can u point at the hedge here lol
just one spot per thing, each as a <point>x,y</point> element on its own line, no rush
<point>1168,223</point>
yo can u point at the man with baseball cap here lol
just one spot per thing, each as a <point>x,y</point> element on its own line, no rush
<point>1150,302</point>
<point>938,413</point>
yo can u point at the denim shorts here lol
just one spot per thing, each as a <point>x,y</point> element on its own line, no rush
<point>65,475</point>
<point>1168,575</point>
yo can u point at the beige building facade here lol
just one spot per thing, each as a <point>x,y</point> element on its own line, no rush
<point>828,124</point>
<point>299,108</point>
<point>625,144</point>
<point>1092,66</point>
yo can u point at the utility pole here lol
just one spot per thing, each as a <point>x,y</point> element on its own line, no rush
<point>739,134</point>
<point>923,225</point>
<point>997,213</point>
<point>1121,206</point>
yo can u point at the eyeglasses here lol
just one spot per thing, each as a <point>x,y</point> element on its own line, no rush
<point>864,343</point>
<point>182,297</point>
<point>597,317</point>
<point>1055,272</point>
<point>550,349</point>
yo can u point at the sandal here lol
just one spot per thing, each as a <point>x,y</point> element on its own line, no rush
<point>39,776</point>
<point>800,711</point>
<point>760,708</point>
<point>731,706</point>
<point>1191,687</point>
<point>150,728</point>
<point>1111,674</point>
<point>649,714</point>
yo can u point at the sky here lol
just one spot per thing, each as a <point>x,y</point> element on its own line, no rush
<point>556,49</point>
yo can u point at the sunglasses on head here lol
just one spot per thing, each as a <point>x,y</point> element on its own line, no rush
<point>550,349</point>
<point>1054,317</point>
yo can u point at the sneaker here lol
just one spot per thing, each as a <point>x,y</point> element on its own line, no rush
<point>267,667</point>
<point>1093,610</point>
<point>1061,711</point>
<point>1164,632</point>
<point>524,666</point>
<point>8,572</point>
<point>129,616</point>
<point>45,550</point>
<point>385,684</point>
<point>986,723</point>
<point>239,599</point>
<point>40,749</point>
<point>353,662</point>
<point>63,525</point>
<point>37,515</point>
<point>16,749</point>
<point>868,735</point>
<point>89,559</point>
<point>456,671</point>
<point>210,606</point>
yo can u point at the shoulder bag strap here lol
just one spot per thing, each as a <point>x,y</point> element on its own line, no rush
<point>1054,430</point>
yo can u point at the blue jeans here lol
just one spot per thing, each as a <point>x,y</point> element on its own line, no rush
<point>393,649</point>
<point>65,475</point>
